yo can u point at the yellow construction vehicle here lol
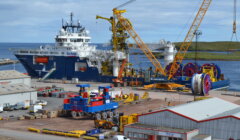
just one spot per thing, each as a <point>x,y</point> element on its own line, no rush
<point>145,96</point>
<point>127,119</point>
<point>105,124</point>
<point>119,122</point>
<point>129,99</point>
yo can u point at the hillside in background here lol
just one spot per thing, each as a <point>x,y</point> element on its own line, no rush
<point>207,50</point>
<point>213,46</point>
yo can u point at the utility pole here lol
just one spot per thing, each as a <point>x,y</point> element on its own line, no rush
<point>197,34</point>
<point>234,33</point>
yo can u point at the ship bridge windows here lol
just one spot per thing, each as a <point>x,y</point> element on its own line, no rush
<point>76,40</point>
<point>22,51</point>
<point>61,40</point>
<point>53,52</point>
<point>87,40</point>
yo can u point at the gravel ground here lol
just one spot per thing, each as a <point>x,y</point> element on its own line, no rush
<point>159,100</point>
<point>8,138</point>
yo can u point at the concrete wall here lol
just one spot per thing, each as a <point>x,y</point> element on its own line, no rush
<point>168,119</point>
<point>26,81</point>
<point>18,97</point>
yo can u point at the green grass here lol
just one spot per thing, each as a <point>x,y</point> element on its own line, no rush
<point>213,56</point>
<point>210,46</point>
<point>213,46</point>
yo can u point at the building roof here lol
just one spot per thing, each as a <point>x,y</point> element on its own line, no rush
<point>204,110</point>
<point>11,74</point>
<point>15,88</point>
<point>153,127</point>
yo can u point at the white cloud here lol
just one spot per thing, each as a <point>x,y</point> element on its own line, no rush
<point>157,17</point>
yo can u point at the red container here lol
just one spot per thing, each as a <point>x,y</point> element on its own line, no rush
<point>66,101</point>
<point>84,94</point>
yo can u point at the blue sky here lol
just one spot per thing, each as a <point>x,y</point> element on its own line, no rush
<point>40,20</point>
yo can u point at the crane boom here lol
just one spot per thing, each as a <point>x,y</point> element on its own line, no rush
<point>124,4</point>
<point>125,23</point>
<point>188,39</point>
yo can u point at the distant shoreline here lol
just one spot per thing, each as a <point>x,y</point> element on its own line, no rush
<point>213,59</point>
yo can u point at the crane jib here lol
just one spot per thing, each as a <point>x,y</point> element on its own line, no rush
<point>189,37</point>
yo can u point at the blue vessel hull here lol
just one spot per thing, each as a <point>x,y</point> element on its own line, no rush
<point>65,68</point>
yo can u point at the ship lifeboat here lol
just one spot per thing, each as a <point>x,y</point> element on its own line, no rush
<point>82,69</point>
<point>41,59</point>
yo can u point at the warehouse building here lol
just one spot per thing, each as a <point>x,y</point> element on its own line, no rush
<point>208,119</point>
<point>14,77</point>
<point>12,94</point>
<point>15,88</point>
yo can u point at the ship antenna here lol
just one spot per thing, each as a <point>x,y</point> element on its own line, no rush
<point>62,22</point>
<point>71,20</point>
<point>71,17</point>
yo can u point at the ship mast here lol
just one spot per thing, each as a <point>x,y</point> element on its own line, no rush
<point>71,21</point>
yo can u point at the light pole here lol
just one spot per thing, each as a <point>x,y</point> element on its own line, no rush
<point>197,34</point>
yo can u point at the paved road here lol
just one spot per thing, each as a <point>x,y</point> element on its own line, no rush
<point>21,135</point>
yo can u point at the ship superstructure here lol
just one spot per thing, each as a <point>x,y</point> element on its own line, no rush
<point>71,57</point>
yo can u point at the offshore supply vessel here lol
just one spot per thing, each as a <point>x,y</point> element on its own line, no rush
<point>71,57</point>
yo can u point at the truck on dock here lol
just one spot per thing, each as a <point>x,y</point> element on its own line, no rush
<point>98,107</point>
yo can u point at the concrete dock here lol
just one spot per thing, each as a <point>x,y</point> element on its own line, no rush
<point>232,96</point>
<point>8,61</point>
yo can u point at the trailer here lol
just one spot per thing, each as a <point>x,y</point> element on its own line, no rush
<point>98,107</point>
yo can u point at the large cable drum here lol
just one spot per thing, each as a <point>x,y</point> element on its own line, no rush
<point>178,72</point>
<point>216,69</point>
<point>201,84</point>
<point>206,84</point>
<point>190,69</point>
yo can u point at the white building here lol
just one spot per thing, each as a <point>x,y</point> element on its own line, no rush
<point>201,120</point>
<point>14,77</point>
<point>17,93</point>
<point>15,87</point>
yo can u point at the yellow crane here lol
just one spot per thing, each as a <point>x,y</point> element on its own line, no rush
<point>188,39</point>
<point>112,21</point>
<point>145,49</point>
<point>183,48</point>
<point>119,43</point>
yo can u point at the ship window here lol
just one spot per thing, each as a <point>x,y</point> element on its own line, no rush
<point>76,40</point>
<point>80,66</point>
<point>61,40</point>
<point>87,40</point>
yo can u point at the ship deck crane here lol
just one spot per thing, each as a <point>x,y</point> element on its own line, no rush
<point>189,37</point>
<point>118,41</point>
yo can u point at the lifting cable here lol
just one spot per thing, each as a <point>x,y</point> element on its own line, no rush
<point>187,24</point>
